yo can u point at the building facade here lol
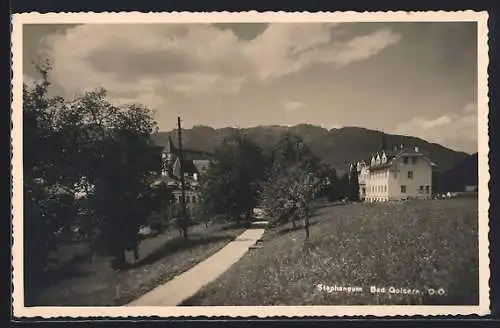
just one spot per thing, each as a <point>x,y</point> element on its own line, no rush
<point>195,166</point>
<point>404,173</point>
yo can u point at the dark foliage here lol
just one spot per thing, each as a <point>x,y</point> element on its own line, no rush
<point>232,183</point>
<point>88,164</point>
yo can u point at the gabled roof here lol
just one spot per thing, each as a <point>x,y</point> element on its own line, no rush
<point>201,164</point>
<point>394,155</point>
<point>188,167</point>
<point>412,152</point>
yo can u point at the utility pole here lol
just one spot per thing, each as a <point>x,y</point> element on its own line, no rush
<point>183,184</point>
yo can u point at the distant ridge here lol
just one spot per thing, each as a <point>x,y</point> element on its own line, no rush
<point>464,173</point>
<point>334,146</point>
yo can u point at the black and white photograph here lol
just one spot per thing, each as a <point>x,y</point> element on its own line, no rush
<point>250,164</point>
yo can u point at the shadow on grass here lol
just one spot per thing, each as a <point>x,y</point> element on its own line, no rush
<point>69,271</point>
<point>292,229</point>
<point>174,245</point>
<point>236,226</point>
<point>328,204</point>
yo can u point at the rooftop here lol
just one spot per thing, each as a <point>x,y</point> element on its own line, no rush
<point>393,154</point>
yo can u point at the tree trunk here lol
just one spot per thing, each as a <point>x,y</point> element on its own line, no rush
<point>307,227</point>
<point>136,251</point>
<point>185,230</point>
<point>118,260</point>
<point>306,222</point>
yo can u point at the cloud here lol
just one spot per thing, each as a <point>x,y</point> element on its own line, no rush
<point>293,105</point>
<point>287,48</point>
<point>453,129</point>
<point>155,61</point>
<point>432,124</point>
<point>144,61</point>
<point>28,80</point>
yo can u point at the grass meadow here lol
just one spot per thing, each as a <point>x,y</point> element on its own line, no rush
<point>387,253</point>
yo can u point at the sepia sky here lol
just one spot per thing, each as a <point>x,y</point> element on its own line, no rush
<point>416,79</point>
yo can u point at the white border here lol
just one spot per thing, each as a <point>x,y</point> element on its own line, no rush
<point>245,311</point>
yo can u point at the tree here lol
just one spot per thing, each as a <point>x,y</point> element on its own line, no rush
<point>353,184</point>
<point>287,195</point>
<point>48,177</point>
<point>343,186</point>
<point>232,183</point>
<point>292,183</point>
<point>328,186</point>
<point>160,200</point>
<point>119,158</point>
<point>291,149</point>
<point>86,143</point>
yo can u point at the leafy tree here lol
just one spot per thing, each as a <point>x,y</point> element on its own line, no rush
<point>292,182</point>
<point>49,203</point>
<point>119,158</point>
<point>87,143</point>
<point>232,183</point>
<point>160,200</point>
<point>200,213</point>
<point>328,186</point>
<point>288,193</point>
<point>292,149</point>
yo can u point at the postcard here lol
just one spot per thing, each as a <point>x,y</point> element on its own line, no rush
<point>328,164</point>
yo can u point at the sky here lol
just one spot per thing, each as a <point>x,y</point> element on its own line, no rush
<point>411,78</point>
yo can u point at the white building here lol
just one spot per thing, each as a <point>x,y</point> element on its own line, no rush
<point>402,174</point>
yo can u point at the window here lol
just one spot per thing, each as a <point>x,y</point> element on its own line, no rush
<point>405,160</point>
<point>403,189</point>
<point>414,160</point>
<point>427,189</point>
<point>410,174</point>
<point>180,199</point>
<point>193,199</point>
<point>421,189</point>
<point>187,199</point>
<point>385,188</point>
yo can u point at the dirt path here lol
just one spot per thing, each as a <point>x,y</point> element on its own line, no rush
<point>188,283</point>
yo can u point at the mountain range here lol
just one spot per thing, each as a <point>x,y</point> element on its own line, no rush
<point>334,147</point>
<point>464,173</point>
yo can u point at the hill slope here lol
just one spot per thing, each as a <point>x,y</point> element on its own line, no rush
<point>463,174</point>
<point>333,146</point>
